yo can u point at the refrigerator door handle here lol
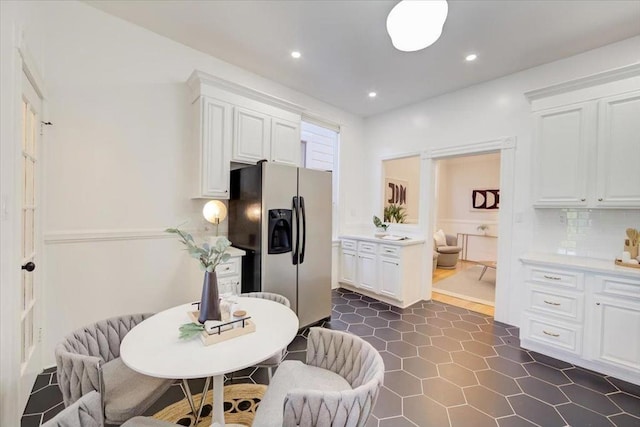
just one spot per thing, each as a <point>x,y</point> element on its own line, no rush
<point>296,213</point>
<point>304,230</point>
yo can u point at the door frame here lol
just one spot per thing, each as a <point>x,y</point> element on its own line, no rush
<point>506,148</point>
<point>20,61</point>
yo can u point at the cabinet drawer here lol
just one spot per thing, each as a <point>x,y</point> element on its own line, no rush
<point>621,287</point>
<point>366,247</point>
<point>349,245</point>
<point>229,268</point>
<point>562,278</point>
<point>549,301</point>
<point>557,334</point>
<point>390,251</point>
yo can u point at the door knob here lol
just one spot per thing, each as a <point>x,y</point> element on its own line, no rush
<point>29,266</point>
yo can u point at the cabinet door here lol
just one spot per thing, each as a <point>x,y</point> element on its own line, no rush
<point>348,267</point>
<point>251,136</point>
<point>367,272</point>
<point>618,152</point>
<point>616,330</point>
<point>562,139</point>
<point>390,277</point>
<point>285,142</point>
<point>215,148</point>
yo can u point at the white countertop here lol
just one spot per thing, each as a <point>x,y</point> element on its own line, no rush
<point>590,264</point>
<point>235,252</point>
<point>408,242</point>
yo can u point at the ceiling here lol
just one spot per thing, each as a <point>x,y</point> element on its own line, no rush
<point>346,52</point>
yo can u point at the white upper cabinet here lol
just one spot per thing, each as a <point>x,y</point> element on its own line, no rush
<point>285,142</point>
<point>618,153</point>
<point>213,127</point>
<point>586,144</point>
<point>251,142</point>
<point>235,123</point>
<point>562,137</point>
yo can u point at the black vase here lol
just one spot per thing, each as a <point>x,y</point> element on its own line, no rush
<point>210,301</point>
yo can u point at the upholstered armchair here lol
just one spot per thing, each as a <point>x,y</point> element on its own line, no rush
<point>448,253</point>
<point>85,412</point>
<point>338,386</point>
<point>89,360</point>
<point>275,360</point>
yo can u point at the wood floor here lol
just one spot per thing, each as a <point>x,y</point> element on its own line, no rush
<point>441,274</point>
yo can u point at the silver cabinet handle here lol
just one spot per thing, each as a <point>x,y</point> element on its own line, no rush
<point>583,200</point>
<point>600,199</point>
<point>552,277</point>
<point>551,303</point>
<point>550,334</point>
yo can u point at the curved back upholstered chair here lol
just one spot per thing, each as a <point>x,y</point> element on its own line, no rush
<point>89,360</point>
<point>448,254</point>
<point>337,387</point>
<point>275,360</point>
<point>84,412</point>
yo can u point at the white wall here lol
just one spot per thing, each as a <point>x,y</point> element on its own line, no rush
<point>456,178</point>
<point>485,112</point>
<point>117,165</point>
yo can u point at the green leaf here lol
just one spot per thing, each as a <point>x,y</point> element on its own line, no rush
<point>225,257</point>
<point>190,330</point>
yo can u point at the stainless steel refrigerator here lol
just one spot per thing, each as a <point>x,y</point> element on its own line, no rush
<point>281,216</point>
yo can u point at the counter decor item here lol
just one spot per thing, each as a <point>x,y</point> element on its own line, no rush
<point>209,257</point>
<point>380,226</point>
<point>631,244</point>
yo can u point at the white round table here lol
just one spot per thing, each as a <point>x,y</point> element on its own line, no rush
<point>153,347</point>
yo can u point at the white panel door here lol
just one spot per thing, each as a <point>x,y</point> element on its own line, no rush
<point>616,331</point>
<point>215,148</point>
<point>390,277</point>
<point>30,306</point>
<point>348,267</point>
<point>367,272</point>
<point>251,136</point>
<point>562,138</point>
<point>285,142</point>
<point>618,154</point>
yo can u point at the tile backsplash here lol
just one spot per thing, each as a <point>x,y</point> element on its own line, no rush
<point>594,233</point>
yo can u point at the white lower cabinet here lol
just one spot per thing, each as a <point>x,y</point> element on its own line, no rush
<point>583,317</point>
<point>384,271</point>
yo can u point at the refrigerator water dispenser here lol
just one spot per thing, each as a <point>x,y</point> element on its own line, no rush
<point>279,231</point>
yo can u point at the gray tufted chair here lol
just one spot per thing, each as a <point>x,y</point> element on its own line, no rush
<point>89,360</point>
<point>275,360</point>
<point>337,387</point>
<point>84,412</point>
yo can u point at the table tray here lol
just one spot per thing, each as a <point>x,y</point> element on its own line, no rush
<point>626,264</point>
<point>207,339</point>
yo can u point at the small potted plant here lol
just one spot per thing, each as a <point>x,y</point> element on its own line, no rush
<point>483,228</point>
<point>380,226</point>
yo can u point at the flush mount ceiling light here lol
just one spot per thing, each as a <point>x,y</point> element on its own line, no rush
<point>416,24</point>
<point>295,54</point>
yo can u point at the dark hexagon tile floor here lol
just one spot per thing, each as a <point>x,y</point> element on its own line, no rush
<point>445,367</point>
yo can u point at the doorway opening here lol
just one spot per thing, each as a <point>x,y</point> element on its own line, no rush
<point>467,200</point>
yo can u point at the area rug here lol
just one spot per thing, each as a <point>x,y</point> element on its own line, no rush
<point>465,284</point>
<point>240,404</point>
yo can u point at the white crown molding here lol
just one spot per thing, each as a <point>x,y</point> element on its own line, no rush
<point>86,236</point>
<point>472,148</point>
<point>199,78</point>
<point>627,71</point>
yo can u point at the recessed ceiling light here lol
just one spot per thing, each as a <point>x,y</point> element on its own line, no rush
<point>372,94</point>
<point>295,54</point>
<point>471,57</point>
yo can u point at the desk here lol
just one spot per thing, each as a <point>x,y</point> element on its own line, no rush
<point>464,242</point>
<point>153,348</point>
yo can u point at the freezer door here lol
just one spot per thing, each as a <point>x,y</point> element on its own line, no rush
<point>279,188</point>
<point>314,266</point>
